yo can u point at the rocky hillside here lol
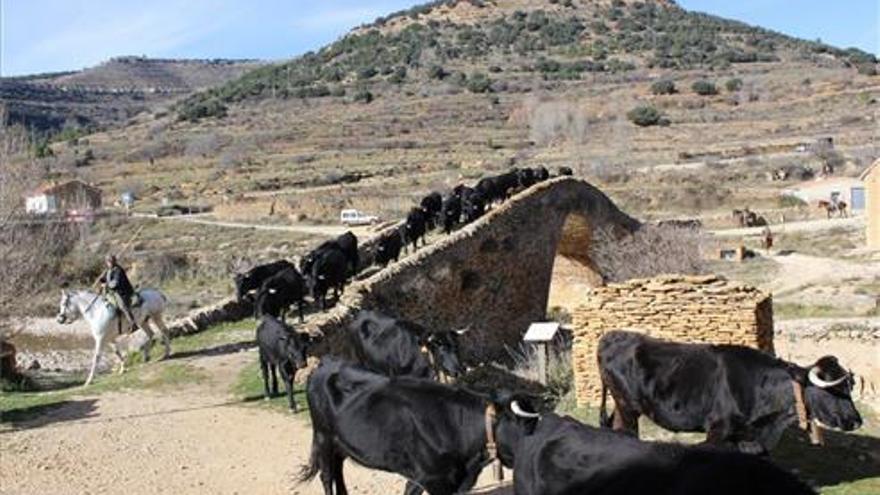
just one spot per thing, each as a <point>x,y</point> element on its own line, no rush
<point>111,92</point>
<point>507,45</point>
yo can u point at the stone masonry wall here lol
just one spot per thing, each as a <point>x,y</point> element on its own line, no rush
<point>704,309</point>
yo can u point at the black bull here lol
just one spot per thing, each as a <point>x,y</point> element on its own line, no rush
<point>563,456</point>
<point>738,395</point>
<point>432,434</point>
<point>399,347</point>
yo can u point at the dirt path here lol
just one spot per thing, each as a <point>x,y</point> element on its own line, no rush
<point>797,271</point>
<point>800,226</point>
<point>194,439</point>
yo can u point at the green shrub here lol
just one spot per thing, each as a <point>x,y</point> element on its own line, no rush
<point>664,87</point>
<point>364,96</point>
<point>367,73</point>
<point>867,69</point>
<point>197,109</point>
<point>479,83</point>
<point>646,115</point>
<point>437,72</point>
<point>705,88</point>
<point>733,85</point>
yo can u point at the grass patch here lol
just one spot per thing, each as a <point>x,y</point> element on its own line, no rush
<point>792,311</point>
<point>52,390</point>
<point>249,389</point>
<point>19,406</point>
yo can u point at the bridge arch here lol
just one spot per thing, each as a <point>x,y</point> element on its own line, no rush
<point>493,275</point>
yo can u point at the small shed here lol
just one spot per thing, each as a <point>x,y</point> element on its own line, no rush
<point>871,181</point>
<point>73,195</point>
<point>850,190</point>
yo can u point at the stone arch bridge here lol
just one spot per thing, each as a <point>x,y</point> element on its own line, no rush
<point>493,275</point>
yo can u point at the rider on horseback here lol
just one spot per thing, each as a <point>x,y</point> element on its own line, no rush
<point>117,285</point>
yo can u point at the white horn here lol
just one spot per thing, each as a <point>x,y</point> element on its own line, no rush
<point>463,330</point>
<point>813,375</point>
<point>514,406</point>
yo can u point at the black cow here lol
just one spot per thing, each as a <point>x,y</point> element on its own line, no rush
<point>473,205</point>
<point>279,292</point>
<point>738,395</point>
<point>253,279</point>
<point>399,347</point>
<point>432,434</point>
<point>526,177</point>
<point>347,243</point>
<point>283,349</point>
<point>541,174</point>
<point>563,456</point>
<point>415,227</point>
<point>431,206</point>
<point>329,271</point>
<point>451,212</point>
<point>498,188</point>
<point>388,247</point>
<point>565,171</point>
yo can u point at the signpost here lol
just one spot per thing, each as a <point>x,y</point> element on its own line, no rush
<point>541,334</point>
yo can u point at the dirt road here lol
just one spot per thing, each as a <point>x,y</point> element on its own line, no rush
<point>194,439</point>
<point>800,226</point>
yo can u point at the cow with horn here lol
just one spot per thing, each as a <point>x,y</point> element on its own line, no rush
<point>739,396</point>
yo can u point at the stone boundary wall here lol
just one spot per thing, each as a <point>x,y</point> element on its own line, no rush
<point>693,309</point>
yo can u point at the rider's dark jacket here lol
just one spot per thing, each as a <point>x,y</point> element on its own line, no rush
<point>117,281</point>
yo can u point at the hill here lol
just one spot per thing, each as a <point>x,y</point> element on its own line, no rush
<point>110,93</point>
<point>488,45</point>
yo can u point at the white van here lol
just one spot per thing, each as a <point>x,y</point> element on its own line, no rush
<point>356,217</point>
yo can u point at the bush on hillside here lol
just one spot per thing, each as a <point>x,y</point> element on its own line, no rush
<point>867,69</point>
<point>646,116</point>
<point>664,87</point>
<point>733,85</point>
<point>479,83</point>
<point>195,110</point>
<point>705,88</point>
<point>363,96</point>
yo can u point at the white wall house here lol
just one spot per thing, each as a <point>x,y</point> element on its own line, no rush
<point>850,190</point>
<point>41,204</point>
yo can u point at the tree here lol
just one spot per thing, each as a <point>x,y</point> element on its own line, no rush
<point>646,115</point>
<point>664,87</point>
<point>705,88</point>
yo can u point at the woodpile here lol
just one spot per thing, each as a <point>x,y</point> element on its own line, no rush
<point>704,309</point>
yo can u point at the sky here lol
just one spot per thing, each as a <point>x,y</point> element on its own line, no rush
<point>39,36</point>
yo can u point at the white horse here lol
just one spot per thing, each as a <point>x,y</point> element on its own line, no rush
<point>103,320</point>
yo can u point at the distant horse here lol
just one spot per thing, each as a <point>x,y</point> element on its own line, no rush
<point>832,207</point>
<point>103,319</point>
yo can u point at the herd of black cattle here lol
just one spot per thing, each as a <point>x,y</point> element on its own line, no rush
<point>391,409</point>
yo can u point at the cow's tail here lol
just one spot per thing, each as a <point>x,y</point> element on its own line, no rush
<point>309,471</point>
<point>604,421</point>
